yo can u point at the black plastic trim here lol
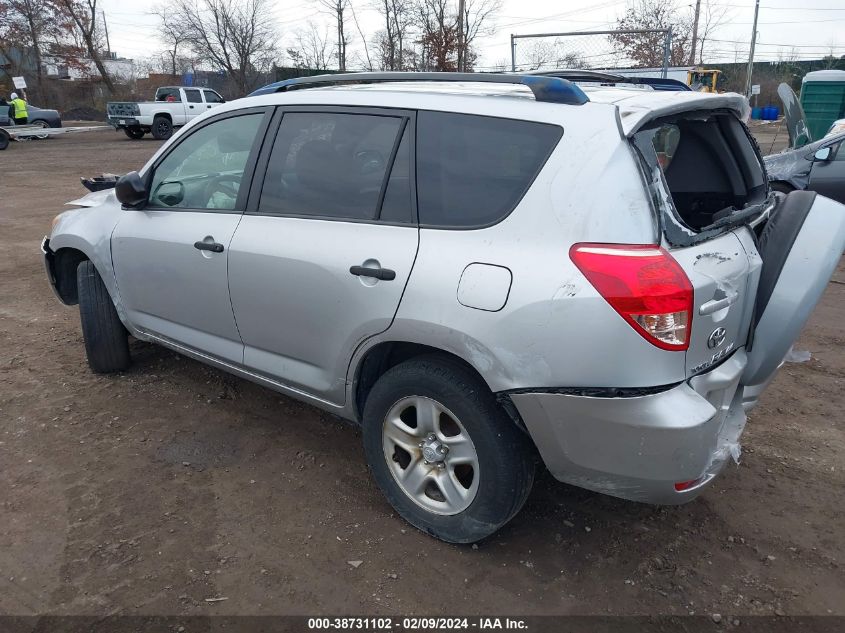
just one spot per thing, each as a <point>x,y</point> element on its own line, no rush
<point>596,392</point>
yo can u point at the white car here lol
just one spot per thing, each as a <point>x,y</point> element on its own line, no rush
<point>173,107</point>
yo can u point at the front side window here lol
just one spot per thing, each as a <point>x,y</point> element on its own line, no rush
<point>212,97</point>
<point>205,170</point>
<point>329,165</point>
<point>473,170</point>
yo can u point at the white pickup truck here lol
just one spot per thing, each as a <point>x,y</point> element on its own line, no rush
<point>173,106</point>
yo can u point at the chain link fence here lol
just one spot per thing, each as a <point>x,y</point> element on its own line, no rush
<point>592,50</point>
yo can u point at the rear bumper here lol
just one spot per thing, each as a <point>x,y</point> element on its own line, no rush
<point>120,122</point>
<point>639,447</point>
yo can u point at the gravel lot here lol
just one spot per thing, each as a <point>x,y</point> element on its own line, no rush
<point>153,491</point>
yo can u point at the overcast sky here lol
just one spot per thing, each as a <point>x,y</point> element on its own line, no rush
<point>812,31</point>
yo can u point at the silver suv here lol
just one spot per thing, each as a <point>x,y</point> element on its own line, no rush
<point>485,271</point>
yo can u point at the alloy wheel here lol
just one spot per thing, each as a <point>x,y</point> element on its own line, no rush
<point>430,455</point>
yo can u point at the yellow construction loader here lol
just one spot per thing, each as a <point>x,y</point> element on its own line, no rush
<point>703,80</point>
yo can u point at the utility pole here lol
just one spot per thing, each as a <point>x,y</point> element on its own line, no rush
<point>341,43</point>
<point>513,53</point>
<point>461,51</point>
<point>751,53</point>
<point>694,32</point>
<point>106,29</point>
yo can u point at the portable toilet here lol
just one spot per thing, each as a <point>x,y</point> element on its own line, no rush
<point>823,99</point>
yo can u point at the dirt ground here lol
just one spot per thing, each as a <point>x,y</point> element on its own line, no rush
<point>152,491</point>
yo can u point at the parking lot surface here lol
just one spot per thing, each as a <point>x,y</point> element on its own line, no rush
<point>178,489</point>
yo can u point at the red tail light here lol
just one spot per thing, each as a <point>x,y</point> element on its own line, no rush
<point>645,285</point>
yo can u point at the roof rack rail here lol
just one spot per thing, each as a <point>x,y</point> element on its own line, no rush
<point>584,76</point>
<point>546,89</point>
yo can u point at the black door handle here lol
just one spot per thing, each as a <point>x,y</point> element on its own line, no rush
<point>385,274</point>
<point>214,247</point>
<point>191,107</point>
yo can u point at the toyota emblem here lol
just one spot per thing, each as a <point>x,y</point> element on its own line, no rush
<point>716,338</point>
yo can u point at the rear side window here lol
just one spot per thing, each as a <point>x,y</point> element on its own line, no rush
<point>193,96</point>
<point>168,94</point>
<point>329,165</point>
<point>473,170</point>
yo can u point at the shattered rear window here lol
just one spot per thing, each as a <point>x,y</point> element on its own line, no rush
<point>704,173</point>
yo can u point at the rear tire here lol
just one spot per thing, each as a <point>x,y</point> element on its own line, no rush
<point>134,133</point>
<point>106,340</point>
<point>162,128</point>
<point>42,124</point>
<point>478,483</point>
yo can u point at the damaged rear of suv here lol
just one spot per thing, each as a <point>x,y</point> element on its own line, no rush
<point>477,268</point>
<point>731,281</point>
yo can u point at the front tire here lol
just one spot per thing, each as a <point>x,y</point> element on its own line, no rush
<point>162,128</point>
<point>443,452</point>
<point>106,340</point>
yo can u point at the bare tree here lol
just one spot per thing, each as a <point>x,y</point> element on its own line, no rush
<point>399,17</point>
<point>369,62</point>
<point>32,25</point>
<point>337,9</point>
<point>84,14</point>
<point>539,54</point>
<point>714,17</point>
<point>438,37</point>
<point>646,49</point>
<point>312,49</point>
<point>477,19</point>
<point>233,35</point>
<point>174,37</point>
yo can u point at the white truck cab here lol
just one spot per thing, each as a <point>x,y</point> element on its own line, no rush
<point>172,107</point>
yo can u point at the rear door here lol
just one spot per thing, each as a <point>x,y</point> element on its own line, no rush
<point>194,105</point>
<point>321,258</point>
<point>801,246</point>
<point>704,172</point>
<point>755,291</point>
<point>723,276</point>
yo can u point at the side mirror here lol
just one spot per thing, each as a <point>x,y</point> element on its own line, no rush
<point>170,194</point>
<point>823,154</point>
<point>130,190</point>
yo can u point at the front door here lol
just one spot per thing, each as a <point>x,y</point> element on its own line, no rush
<point>321,258</point>
<point>828,176</point>
<point>170,258</point>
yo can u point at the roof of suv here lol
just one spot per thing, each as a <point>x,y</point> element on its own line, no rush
<point>636,106</point>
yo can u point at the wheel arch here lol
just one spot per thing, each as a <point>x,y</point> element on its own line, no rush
<point>65,262</point>
<point>370,364</point>
<point>69,249</point>
<point>165,114</point>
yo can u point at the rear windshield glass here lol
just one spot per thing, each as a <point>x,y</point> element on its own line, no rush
<point>707,165</point>
<point>473,170</point>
